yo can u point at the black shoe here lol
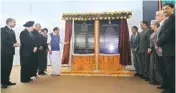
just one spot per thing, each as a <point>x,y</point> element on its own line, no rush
<point>146,79</point>
<point>42,73</point>
<point>10,83</point>
<point>27,81</point>
<point>165,91</point>
<point>136,74</point>
<point>142,77</point>
<point>160,87</point>
<point>4,86</point>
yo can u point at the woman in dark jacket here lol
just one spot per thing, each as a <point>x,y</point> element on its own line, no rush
<point>154,77</point>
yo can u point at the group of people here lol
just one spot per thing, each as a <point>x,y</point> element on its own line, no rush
<point>35,44</point>
<point>154,49</point>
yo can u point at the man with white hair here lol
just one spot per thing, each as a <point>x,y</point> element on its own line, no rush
<point>160,61</point>
<point>8,44</point>
<point>38,40</point>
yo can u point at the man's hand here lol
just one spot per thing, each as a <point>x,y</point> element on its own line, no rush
<point>159,49</point>
<point>156,47</point>
<point>50,52</point>
<point>41,48</point>
<point>149,50</point>
<point>35,49</point>
<point>16,45</point>
<point>66,42</point>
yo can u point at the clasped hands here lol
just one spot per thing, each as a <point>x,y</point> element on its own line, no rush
<point>16,45</point>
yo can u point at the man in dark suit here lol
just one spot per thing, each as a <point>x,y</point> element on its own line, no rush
<point>38,40</point>
<point>8,44</point>
<point>43,64</point>
<point>27,50</point>
<point>134,38</point>
<point>143,45</point>
<point>160,66</point>
<point>166,40</point>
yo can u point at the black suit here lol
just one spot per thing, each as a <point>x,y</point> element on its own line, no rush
<point>27,55</point>
<point>39,54</point>
<point>8,39</point>
<point>166,40</point>
<point>43,55</point>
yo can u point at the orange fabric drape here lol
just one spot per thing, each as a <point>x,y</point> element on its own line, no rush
<point>68,33</point>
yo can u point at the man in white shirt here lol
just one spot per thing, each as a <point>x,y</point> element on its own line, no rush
<point>54,51</point>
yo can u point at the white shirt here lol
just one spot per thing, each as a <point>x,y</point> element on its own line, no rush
<point>9,27</point>
<point>161,23</point>
<point>49,41</point>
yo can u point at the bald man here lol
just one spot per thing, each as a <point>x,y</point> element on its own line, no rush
<point>38,41</point>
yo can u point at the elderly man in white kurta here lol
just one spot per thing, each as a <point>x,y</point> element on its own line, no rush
<point>54,51</point>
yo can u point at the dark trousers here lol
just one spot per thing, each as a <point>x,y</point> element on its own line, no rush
<point>38,58</point>
<point>147,66</point>
<point>136,62</point>
<point>27,68</point>
<point>160,68</point>
<point>142,62</point>
<point>6,67</point>
<point>42,61</point>
<point>169,73</point>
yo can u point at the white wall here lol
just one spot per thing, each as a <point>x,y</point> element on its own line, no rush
<point>49,12</point>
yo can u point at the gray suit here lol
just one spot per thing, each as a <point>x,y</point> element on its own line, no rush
<point>134,44</point>
<point>143,45</point>
<point>154,77</point>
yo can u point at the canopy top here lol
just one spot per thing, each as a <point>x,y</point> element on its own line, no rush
<point>97,15</point>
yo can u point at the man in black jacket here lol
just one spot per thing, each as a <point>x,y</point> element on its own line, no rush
<point>38,40</point>
<point>166,40</point>
<point>8,44</point>
<point>44,52</point>
<point>27,51</point>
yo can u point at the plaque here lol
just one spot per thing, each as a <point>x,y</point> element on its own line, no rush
<point>109,38</point>
<point>83,38</point>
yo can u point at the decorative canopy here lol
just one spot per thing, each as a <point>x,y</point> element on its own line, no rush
<point>97,16</point>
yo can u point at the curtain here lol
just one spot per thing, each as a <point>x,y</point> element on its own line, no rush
<point>159,5</point>
<point>68,34</point>
<point>125,54</point>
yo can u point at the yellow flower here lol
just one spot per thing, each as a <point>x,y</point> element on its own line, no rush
<point>117,17</point>
<point>113,18</point>
<point>101,18</point>
<point>109,17</point>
